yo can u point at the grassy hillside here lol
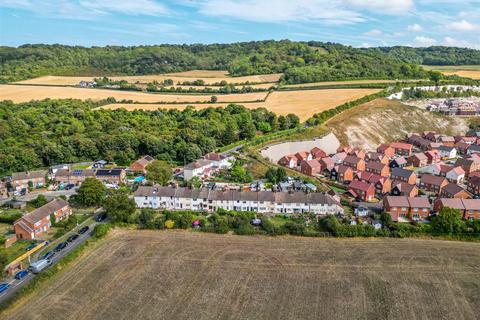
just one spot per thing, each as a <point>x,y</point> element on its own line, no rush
<point>382,120</point>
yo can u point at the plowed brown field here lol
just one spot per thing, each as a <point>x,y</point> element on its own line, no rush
<point>188,275</point>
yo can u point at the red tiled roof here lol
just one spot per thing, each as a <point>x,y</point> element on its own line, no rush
<point>419,202</point>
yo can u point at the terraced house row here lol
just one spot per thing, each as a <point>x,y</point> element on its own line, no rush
<point>172,198</point>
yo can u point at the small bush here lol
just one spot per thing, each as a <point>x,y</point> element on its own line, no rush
<point>101,230</point>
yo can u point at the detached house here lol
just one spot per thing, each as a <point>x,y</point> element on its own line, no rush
<point>326,163</point>
<point>453,190</point>
<point>23,180</point>
<point>342,173</point>
<point>303,155</point>
<point>356,163</point>
<point>433,156</point>
<point>456,174</point>
<point>311,167</point>
<point>468,165</point>
<point>399,162</point>
<point>289,161</point>
<point>404,189</point>
<point>361,190</point>
<point>318,153</point>
<point>386,150</point>
<point>377,157</point>
<point>473,185</point>
<point>447,152</point>
<point>403,175</point>
<point>418,160</point>
<point>140,165</point>
<point>379,168</point>
<point>36,224</point>
<point>404,209</point>
<point>432,183</point>
<point>402,149</point>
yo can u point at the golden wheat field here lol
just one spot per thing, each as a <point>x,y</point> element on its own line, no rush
<point>67,80</point>
<point>24,93</point>
<point>468,71</point>
<point>336,83</point>
<point>199,74</point>
<point>304,103</point>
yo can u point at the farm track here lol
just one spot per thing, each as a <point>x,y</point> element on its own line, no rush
<point>188,275</point>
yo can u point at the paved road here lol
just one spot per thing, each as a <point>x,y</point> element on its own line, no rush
<point>17,284</point>
<point>49,194</point>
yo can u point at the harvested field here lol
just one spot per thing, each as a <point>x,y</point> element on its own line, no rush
<point>66,80</point>
<point>383,120</point>
<point>335,83</point>
<point>23,93</point>
<point>468,71</point>
<point>302,103</point>
<point>200,74</point>
<point>189,275</point>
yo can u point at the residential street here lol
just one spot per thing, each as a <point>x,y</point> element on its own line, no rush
<point>49,194</point>
<point>17,284</point>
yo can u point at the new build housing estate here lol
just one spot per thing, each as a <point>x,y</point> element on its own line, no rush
<point>210,200</point>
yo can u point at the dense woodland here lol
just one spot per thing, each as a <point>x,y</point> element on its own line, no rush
<point>43,133</point>
<point>300,61</point>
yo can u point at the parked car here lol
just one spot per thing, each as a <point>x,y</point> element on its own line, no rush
<point>4,286</point>
<point>21,274</point>
<point>69,186</point>
<point>31,246</point>
<point>73,237</point>
<point>60,246</point>
<point>48,255</point>
<point>83,230</point>
<point>100,217</point>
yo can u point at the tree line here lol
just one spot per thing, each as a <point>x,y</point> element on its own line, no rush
<point>300,61</point>
<point>43,133</point>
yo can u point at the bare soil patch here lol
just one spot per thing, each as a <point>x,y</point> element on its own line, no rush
<point>383,120</point>
<point>188,275</point>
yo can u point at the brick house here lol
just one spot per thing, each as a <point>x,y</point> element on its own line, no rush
<point>378,168</point>
<point>289,161</point>
<point>311,167</point>
<point>383,185</point>
<point>453,190</point>
<point>23,180</point>
<point>76,177</point>
<point>361,190</point>
<point>402,148</point>
<point>447,152</point>
<point>404,189</point>
<point>431,183</point>
<point>111,176</point>
<point>356,163</point>
<point>404,209</point>
<point>345,149</point>
<point>473,185</point>
<point>318,153</point>
<point>468,165</point>
<point>399,162</point>
<point>403,175</point>
<point>433,156</point>
<point>339,157</point>
<point>36,224</point>
<point>418,160</point>
<point>386,150</point>
<point>342,173</point>
<point>455,174</point>
<point>376,157</point>
<point>357,152</point>
<point>303,155</point>
<point>461,147</point>
<point>448,141</point>
<point>453,203</point>
<point>326,163</point>
<point>141,164</point>
<point>470,208</point>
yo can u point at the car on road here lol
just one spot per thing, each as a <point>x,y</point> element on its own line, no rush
<point>100,217</point>
<point>69,186</point>
<point>83,230</point>
<point>21,274</point>
<point>48,255</point>
<point>4,286</point>
<point>60,246</point>
<point>31,246</point>
<point>38,266</point>
<point>73,237</point>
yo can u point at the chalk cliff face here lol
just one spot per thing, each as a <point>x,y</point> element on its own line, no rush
<point>383,120</point>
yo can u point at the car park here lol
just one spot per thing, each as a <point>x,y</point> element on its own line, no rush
<point>61,246</point>
<point>21,274</point>
<point>83,230</point>
<point>4,287</point>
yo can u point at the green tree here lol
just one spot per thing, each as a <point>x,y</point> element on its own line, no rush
<point>271,175</point>
<point>41,200</point>
<point>448,221</point>
<point>91,192</point>
<point>159,172</point>
<point>213,99</point>
<point>119,207</point>
<point>281,175</point>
